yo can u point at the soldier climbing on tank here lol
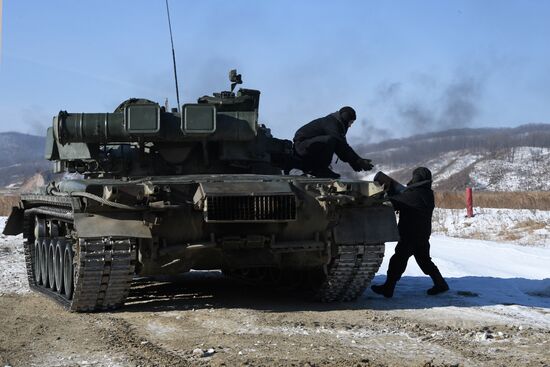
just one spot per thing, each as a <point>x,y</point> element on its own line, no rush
<point>316,142</point>
<point>415,205</point>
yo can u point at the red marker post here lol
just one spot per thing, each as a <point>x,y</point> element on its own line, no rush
<point>469,203</point>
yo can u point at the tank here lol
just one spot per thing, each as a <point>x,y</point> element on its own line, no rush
<point>144,191</point>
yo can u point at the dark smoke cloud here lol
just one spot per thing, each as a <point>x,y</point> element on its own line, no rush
<point>460,103</point>
<point>417,115</point>
<point>455,106</point>
<point>425,105</point>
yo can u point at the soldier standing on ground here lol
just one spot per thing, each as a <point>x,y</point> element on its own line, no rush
<point>316,142</point>
<point>415,206</point>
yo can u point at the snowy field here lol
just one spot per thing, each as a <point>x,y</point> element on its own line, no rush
<point>488,274</point>
<point>519,226</point>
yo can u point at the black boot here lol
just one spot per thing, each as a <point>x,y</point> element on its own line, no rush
<point>385,289</point>
<point>324,172</point>
<point>440,285</point>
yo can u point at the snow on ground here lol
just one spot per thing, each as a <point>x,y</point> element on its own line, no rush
<point>518,226</point>
<point>508,283</point>
<point>13,276</point>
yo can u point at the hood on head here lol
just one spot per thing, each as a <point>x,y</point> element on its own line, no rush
<point>421,174</point>
<point>347,114</point>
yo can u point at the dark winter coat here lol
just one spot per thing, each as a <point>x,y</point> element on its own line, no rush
<point>330,125</point>
<point>415,206</point>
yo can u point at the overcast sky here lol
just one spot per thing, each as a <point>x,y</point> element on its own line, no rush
<point>405,66</point>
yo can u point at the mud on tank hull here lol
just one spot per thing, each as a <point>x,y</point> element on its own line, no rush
<point>85,240</point>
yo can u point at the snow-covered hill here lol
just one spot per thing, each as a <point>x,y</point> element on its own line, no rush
<point>522,168</point>
<point>509,169</point>
<point>21,156</point>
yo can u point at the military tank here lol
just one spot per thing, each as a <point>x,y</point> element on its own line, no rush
<point>146,191</point>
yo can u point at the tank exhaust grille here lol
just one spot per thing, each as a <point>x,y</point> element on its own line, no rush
<point>257,208</point>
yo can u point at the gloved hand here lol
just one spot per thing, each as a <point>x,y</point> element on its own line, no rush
<point>362,164</point>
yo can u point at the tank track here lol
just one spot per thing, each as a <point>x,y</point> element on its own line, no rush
<point>103,268</point>
<point>29,254</point>
<point>350,272</point>
<point>103,276</point>
<point>105,272</point>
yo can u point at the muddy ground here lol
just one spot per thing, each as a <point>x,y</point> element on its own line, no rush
<point>205,319</point>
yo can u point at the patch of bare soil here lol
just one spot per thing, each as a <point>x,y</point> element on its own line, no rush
<point>206,320</point>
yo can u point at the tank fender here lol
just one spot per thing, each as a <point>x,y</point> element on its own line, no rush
<point>366,225</point>
<point>14,224</point>
<point>110,225</point>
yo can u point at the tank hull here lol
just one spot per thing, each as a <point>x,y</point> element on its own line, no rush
<point>86,239</point>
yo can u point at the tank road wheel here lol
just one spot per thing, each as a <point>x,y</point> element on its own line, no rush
<point>39,232</point>
<point>51,262</point>
<point>58,265</point>
<point>44,247</point>
<point>68,269</point>
<point>39,228</point>
<point>37,261</point>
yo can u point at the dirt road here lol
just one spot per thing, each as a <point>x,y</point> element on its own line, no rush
<point>204,319</point>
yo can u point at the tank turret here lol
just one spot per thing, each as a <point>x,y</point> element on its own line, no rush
<point>218,134</point>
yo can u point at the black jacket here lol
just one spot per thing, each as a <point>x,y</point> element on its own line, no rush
<point>330,125</point>
<point>415,206</point>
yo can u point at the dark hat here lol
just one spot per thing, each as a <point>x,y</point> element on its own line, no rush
<point>347,114</point>
<point>420,174</point>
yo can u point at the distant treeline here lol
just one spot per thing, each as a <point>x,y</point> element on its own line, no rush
<point>426,146</point>
<point>507,200</point>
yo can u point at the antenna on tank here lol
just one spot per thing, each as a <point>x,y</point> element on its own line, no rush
<point>173,56</point>
<point>0,32</point>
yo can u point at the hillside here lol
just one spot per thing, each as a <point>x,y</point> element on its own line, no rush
<point>511,159</point>
<point>508,169</point>
<point>21,157</point>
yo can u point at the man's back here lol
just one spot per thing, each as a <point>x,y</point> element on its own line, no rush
<point>415,207</point>
<point>328,125</point>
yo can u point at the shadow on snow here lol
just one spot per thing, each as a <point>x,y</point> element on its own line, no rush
<point>197,290</point>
